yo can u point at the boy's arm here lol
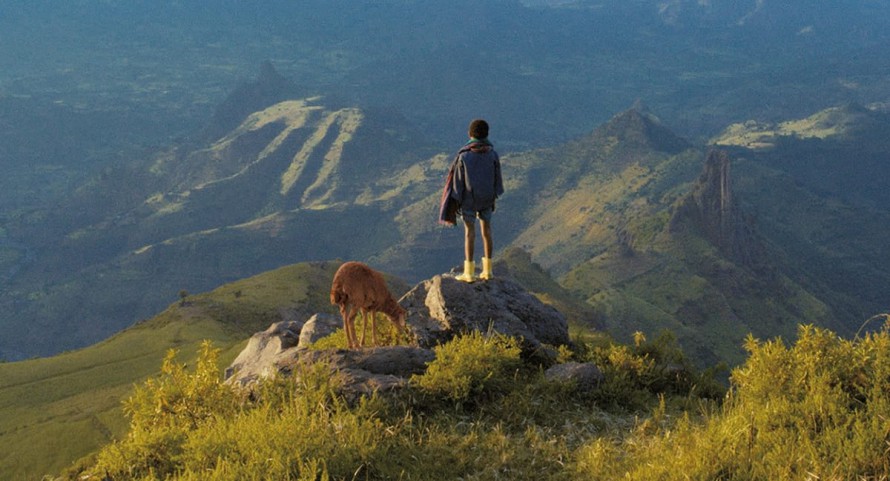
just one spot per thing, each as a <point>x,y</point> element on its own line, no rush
<point>498,180</point>
<point>458,186</point>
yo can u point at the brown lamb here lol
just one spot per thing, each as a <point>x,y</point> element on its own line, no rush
<point>358,288</point>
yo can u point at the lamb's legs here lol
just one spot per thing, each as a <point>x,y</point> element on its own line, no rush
<point>371,316</point>
<point>348,314</point>
<point>374,328</point>
<point>344,314</point>
<point>364,325</point>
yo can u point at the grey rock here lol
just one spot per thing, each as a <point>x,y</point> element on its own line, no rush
<point>257,358</point>
<point>363,371</point>
<point>443,307</point>
<point>585,376</point>
<point>317,327</point>
<point>402,361</point>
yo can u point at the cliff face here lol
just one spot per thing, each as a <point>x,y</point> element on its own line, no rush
<point>712,211</point>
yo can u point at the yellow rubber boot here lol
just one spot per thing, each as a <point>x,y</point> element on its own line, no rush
<point>469,272</point>
<point>486,269</point>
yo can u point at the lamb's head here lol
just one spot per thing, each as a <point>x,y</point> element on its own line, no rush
<point>397,314</point>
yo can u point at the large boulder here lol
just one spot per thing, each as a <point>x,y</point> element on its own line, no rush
<point>443,307</point>
<point>257,359</point>
<point>317,327</point>
<point>284,345</point>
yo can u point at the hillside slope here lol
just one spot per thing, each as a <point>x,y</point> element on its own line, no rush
<point>818,186</point>
<point>646,229</point>
<point>57,409</point>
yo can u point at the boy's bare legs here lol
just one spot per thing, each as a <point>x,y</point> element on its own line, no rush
<point>486,238</point>
<point>487,246</point>
<point>470,240</point>
<point>469,274</point>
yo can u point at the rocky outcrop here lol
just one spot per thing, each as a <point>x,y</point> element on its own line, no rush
<point>317,327</point>
<point>712,210</point>
<point>363,371</point>
<point>401,361</point>
<point>258,358</point>
<point>276,351</point>
<point>443,307</point>
<point>438,310</point>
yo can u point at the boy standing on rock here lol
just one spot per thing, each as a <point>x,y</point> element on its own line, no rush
<point>476,184</point>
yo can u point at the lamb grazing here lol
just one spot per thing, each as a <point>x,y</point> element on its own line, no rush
<point>358,288</point>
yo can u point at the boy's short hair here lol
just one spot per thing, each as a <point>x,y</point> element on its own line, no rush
<point>478,129</point>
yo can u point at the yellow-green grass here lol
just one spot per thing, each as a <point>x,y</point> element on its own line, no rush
<point>831,122</point>
<point>56,410</point>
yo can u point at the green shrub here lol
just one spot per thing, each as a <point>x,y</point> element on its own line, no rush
<point>178,398</point>
<point>471,365</point>
<point>816,410</point>
<point>636,375</point>
<point>163,411</point>
<point>335,340</point>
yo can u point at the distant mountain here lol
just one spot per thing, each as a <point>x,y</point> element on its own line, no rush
<point>605,214</point>
<point>269,88</point>
<point>818,186</point>
<point>552,73</point>
<point>653,234</point>
<point>800,18</point>
<point>292,181</point>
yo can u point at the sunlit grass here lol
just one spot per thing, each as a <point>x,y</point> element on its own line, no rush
<point>831,122</point>
<point>479,412</point>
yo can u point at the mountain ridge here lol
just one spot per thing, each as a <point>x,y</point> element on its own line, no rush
<point>298,180</point>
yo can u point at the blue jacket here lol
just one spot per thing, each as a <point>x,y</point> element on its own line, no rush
<point>477,177</point>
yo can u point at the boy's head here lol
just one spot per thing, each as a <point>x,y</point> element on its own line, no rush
<point>478,129</point>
